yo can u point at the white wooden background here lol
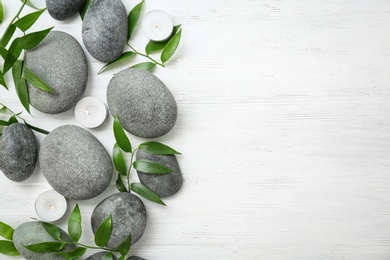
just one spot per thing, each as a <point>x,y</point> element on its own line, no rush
<point>284,126</point>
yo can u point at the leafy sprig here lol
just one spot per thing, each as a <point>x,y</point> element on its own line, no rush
<point>167,47</point>
<point>15,118</point>
<point>15,54</point>
<point>123,146</point>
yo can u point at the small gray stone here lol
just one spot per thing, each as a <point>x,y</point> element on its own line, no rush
<point>98,256</point>
<point>64,9</point>
<point>144,105</point>
<point>75,163</point>
<point>59,61</point>
<point>163,185</point>
<point>105,29</point>
<point>30,233</point>
<point>128,216</point>
<point>18,152</point>
<point>135,258</point>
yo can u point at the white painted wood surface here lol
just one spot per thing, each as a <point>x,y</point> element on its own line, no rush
<point>284,127</point>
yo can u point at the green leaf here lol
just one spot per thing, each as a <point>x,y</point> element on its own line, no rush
<point>1,12</point>
<point>120,136</point>
<point>74,224</point>
<point>42,131</point>
<point>6,231</point>
<point>146,193</point>
<point>153,46</point>
<point>27,21</point>
<point>12,120</point>
<point>46,247</point>
<point>78,252</point>
<point>37,81</point>
<point>17,71</point>
<point>103,233</point>
<point>4,123</point>
<point>133,18</point>
<point>22,92</point>
<point>53,230</point>
<point>8,248</point>
<point>150,167</point>
<point>31,40</point>
<point>124,247</point>
<point>2,81</point>
<point>4,110</point>
<point>171,47</point>
<point>148,66</point>
<point>108,256</point>
<point>3,52</point>
<point>13,54</point>
<point>119,161</point>
<point>157,148</point>
<point>9,32</point>
<point>124,56</point>
<point>121,257</point>
<point>28,3</point>
<point>119,184</point>
<point>84,9</point>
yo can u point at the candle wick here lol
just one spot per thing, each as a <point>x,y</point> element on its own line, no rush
<point>52,206</point>
<point>87,112</point>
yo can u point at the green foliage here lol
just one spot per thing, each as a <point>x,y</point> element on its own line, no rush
<point>148,66</point>
<point>53,230</point>
<point>157,148</point>
<point>108,256</point>
<point>78,252</point>
<point>146,193</point>
<point>31,40</point>
<point>171,47</point>
<point>124,247</point>
<point>153,46</point>
<point>85,8</point>
<point>27,21</point>
<point>119,161</point>
<point>133,18</point>
<point>119,184</point>
<point>103,233</point>
<point>6,231</point>
<point>74,224</point>
<point>150,167</point>
<point>9,32</point>
<point>46,247</point>
<point>125,56</point>
<point>120,136</point>
<point>1,12</point>
<point>36,81</point>
<point>8,248</point>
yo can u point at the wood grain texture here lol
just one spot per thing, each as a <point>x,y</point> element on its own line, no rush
<point>284,126</point>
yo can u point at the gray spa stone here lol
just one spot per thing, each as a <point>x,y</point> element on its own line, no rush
<point>135,258</point>
<point>128,216</point>
<point>98,256</point>
<point>144,105</point>
<point>60,61</point>
<point>75,163</point>
<point>164,185</point>
<point>30,233</point>
<point>105,29</point>
<point>64,9</point>
<point>18,152</point>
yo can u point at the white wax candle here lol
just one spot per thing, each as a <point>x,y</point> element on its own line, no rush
<point>50,206</point>
<point>157,25</point>
<point>90,112</point>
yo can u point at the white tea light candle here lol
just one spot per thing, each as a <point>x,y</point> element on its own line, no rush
<point>90,112</point>
<point>50,206</point>
<point>157,25</point>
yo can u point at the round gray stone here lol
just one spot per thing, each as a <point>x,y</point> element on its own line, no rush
<point>75,163</point>
<point>64,9</point>
<point>135,258</point>
<point>18,152</point>
<point>30,233</point>
<point>128,216</point>
<point>144,105</point>
<point>105,29</point>
<point>164,185</point>
<point>59,61</point>
<point>98,256</point>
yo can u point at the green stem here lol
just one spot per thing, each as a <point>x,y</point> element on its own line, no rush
<point>17,15</point>
<point>130,167</point>
<point>90,247</point>
<point>147,56</point>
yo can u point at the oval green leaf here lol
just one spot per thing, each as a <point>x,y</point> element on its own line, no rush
<point>84,9</point>
<point>119,161</point>
<point>119,184</point>
<point>123,57</point>
<point>46,247</point>
<point>4,123</point>
<point>120,136</point>
<point>157,148</point>
<point>12,55</point>
<point>53,230</point>
<point>108,256</point>
<point>78,252</point>
<point>9,32</point>
<point>74,224</point>
<point>37,81</point>
<point>22,92</point>
<point>146,193</point>
<point>103,233</point>
<point>148,66</point>
<point>8,248</point>
<point>6,231</point>
<point>133,18</point>
<point>153,46</point>
<point>2,81</point>
<point>1,12</point>
<point>37,129</point>
<point>124,247</point>
<point>17,71</point>
<point>31,40</point>
<point>171,47</point>
<point>150,167</point>
<point>12,120</point>
<point>27,21</point>
<point>121,257</point>
<point>3,52</point>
